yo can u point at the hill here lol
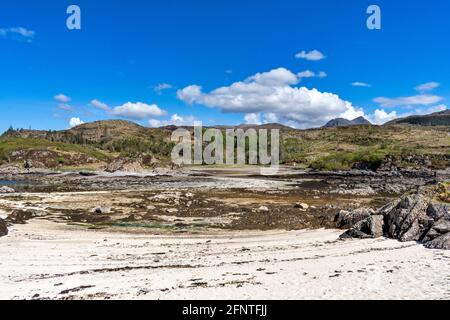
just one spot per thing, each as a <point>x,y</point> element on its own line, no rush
<point>341,122</point>
<point>339,148</point>
<point>435,119</point>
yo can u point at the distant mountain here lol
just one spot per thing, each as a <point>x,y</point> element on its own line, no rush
<point>341,122</point>
<point>435,119</point>
<point>268,126</point>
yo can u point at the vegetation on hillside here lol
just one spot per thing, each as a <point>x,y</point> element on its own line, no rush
<point>323,149</point>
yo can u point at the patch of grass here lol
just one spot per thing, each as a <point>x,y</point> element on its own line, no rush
<point>346,160</point>
<point>9,145</point>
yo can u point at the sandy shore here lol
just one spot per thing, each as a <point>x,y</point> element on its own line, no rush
<point>47,260</point>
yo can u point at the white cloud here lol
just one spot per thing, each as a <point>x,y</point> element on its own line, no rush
<point>175,120</point>
<point>20,32</point>
<point>361,84</point>
<point>190,94</point>
<point>161,87</point>
<point>381,117</point>
<point>433,109</point>
<point>273,92</point>
<point>75,122</point>
<point>270,117</point>
<point>137,111</point>
<point>313,55</point>
<point>99,105</point>
<point>62,98</point>
<point>228,71</point>
<point>252,118</point>
<point>310,74</point>
<point>65,107</point>
<point>422,99</point>
<point>306,74</point>
<point>429,86</point>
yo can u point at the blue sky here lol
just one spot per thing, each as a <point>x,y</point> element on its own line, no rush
<point>221,62</point>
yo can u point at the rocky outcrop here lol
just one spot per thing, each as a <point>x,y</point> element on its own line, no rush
<point>417,217</point>
<point>22,216</point>
<point>125,165</point>
<point>3,228</point>
<point>346,219</point>
<point>5,189</point>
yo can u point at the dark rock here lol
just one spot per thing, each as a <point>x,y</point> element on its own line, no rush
<point>442,226</point>
<point>102,210</point>
<point>21,216</point>
<point>363,166</point>
<point>412,218</point>
<point>371,227</point>
<point>3,228</point>
<point>355,234</point>
<point>87,174</point>
<point>405,222</point>
<point>441,242</point>
<point>438,211</point>
<point>347,219</point>
<point>375,225</point>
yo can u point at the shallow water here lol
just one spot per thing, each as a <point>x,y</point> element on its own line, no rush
<point>8,182</point>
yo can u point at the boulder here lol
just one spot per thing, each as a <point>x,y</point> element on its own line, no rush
<point>414,217</point>
<point>263,208</point>
<point>6,189</point>
<point>302,206</point>
<point>346,219</point>
<point>3,228</point>
<point>441,242</point>
<point>371,227</point>
<point>437,211</point>
<point>22,216</point>
<point>375,226</point>
<point>102,210</point>
<point>407,221</point>
<point>354,233</point>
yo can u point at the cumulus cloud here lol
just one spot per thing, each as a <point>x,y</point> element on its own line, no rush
<point>137,111</point>
<point>261,118</point>
<point>17,33</point>
<point>311,74</point>
<point>75,122</point>
<point>252,118</point>
<point>175,120</point>
<point>270,118</point>
<point>381,117</point>
<point>429,86</point>
<point>62,98</point>
<point>361,84</point>
<point>421,99</point>
<point>314,55</point>
<point>274,92</point>
<point>99,105</point>
<point>161,87</point>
